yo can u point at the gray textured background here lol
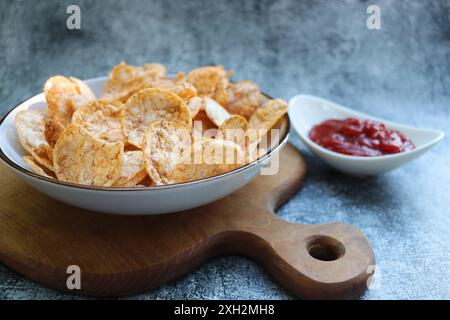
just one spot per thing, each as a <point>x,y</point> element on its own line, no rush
<point>319,47</point>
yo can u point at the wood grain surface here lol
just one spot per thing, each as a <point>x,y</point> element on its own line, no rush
<point>122,255</point>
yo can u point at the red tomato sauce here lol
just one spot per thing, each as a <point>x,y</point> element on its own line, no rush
<point>359,138</point>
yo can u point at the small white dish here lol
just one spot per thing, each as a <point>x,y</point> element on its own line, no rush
<point>306,111</point>
<point>129,201</point>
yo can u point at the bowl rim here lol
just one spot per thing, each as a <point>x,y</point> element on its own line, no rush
<point>272,151</point>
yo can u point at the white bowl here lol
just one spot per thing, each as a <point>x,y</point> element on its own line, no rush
<point>128,201</point>
<point>305,111</point>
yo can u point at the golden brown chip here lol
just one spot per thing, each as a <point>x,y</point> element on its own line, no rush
<point>211,81</point>
<point>184,90</point>
<point>30,126</point>
<point>79,157</point>
<point>133,169</point>
<point>102,119</point>
<point>64,96</point>
<point>167,153</point>
<point>244,97</point>
<point>215,112</point>
<point>52,131</point>
<point>234,129</point>
<point>37,168</point>
<point>148,106</point>
<point>180,77</point>
<point>203,127</point>
<point>195,104</point>
<point>265,118</point>
<point>213,157</point>
<point>135,181</point>
<point>125,80</point>
<point>146,182</point>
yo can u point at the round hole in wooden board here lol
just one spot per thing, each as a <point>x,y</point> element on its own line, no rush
<point>324,248</point>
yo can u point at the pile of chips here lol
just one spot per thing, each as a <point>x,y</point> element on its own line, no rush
<point>147,129</point>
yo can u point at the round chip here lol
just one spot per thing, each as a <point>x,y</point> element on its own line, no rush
<point>64,96</point>
<point>102,119</point>
<point>244,97</point>
<point>195,104</point>
<point>148,106</point>
<point>180,77</point>
<point>215,112</point>
<point>37,168</point>
<point>184,90</point>
<point>167,153</point>
<point>52,131</point>
<point>210,81</point>
<point>213,157</point>
<point>265,118</point>
<point>125,80</point>
<point>234,129</point>
<point>133,169</point>
<point>203,127</point>
<point>79,157</point>
<point>30,126</point>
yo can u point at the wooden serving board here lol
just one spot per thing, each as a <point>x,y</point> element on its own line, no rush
<point>120,255</point>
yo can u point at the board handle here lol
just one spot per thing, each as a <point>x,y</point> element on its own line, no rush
<point>317,261</point>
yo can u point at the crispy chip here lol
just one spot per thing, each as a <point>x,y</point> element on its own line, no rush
<point>215,112</point>
<point>133,169</point>
<point>79,157</point>
<point>234,129</point>
<point>135,181</point>
<point>203,127</point>
<point>37,168</point>
<point>244,97</point>
<point>195,104</point>
<point>265,118</point>
<point>184,90</point>
<point>167,153</point>
<point>180,77</point>
<point>30,125</point>
<point>52,131</point>
<point>146,182</point>
<point>210,81</point>
<point>148,106</point>
<point>213,157</point>
<point>64,96</point>
<point>102,119</point>
<point>125,80</point>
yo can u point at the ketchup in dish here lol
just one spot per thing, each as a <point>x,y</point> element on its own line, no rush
<point>363,138</point>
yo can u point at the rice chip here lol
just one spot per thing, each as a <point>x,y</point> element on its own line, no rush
<point>234,129</point>
<point>37,168</point>
<point>215,112</point>
<point>244,97</point>
<point>184,90</point>
<point>79,157</point>
<point>30,126</point>
<point>64,96</point>
<point>167,153</point>
<point>133,169</point>
<point>211,81</point>
<point>102,119</point>
<point>52,131</point>
<point>265,118</point>
<point>148,106</point>
<point>125,80</point>
<point>213,157</point>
